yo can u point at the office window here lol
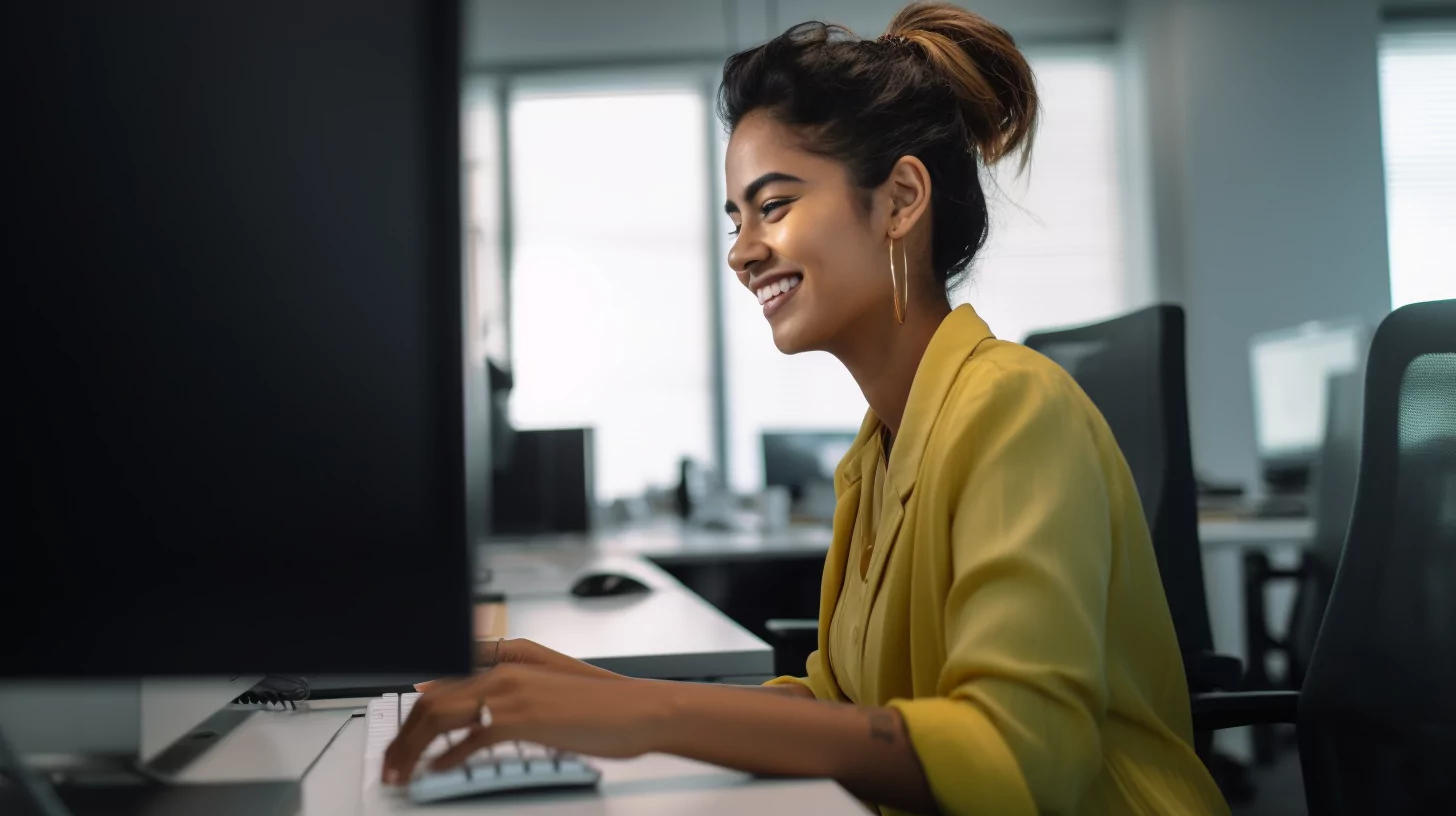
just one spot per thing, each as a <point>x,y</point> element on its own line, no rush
<point>1418,124</point>
<point>1055,258</point>
<point>609,276</point>
<point>485,279</point>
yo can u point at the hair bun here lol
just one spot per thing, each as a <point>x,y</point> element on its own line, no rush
<point>988,74</point>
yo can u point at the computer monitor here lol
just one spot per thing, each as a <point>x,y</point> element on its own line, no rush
<point>237,367</point>
<point>1290,369</point>
<point>804,462</point>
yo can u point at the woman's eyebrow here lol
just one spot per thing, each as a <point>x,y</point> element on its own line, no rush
<point>758,184</point>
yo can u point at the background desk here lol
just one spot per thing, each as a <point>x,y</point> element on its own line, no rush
<point>668,633</point>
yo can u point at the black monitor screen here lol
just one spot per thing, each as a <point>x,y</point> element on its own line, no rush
<point>800,459</point>
<point>236,351</point>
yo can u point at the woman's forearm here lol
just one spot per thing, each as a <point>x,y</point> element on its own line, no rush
<point>865,749</point>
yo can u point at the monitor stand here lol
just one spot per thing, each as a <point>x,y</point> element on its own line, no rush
<point>80,747</point>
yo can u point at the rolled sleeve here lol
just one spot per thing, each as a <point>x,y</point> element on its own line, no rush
<point>816,680</point>
<point>968,765</point>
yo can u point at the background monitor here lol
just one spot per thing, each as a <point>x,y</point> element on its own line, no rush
<point>236,360</point>
<point>1290,370</point>
<point>804,462</point>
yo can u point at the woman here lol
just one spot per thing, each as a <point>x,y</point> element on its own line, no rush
<point>993,632</point>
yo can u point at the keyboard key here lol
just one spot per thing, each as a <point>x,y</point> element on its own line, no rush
<point>439,781</point>
<point>572,765</point>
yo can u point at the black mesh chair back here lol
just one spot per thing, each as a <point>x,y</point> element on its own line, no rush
<point>1132,367</point>
<point>1377,712</point>
<point>1333,496</point>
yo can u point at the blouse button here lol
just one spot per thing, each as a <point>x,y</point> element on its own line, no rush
<point>854,633</point>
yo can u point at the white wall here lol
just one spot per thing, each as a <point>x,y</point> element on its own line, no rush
<point>553,31</point>
<point>1267,191</point>
<point>1025,19</point>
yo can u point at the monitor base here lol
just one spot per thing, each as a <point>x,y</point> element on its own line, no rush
<point>156,799</point>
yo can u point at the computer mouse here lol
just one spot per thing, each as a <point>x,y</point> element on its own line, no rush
<point>607,584</point>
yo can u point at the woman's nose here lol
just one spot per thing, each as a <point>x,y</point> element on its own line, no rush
<point>746,251</point>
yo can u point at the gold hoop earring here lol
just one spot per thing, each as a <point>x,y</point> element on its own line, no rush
<point>902,303</point>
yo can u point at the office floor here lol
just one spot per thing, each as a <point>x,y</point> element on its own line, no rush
<point>1278,787</point>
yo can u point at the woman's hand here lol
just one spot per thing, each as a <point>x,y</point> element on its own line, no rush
<point>865,749</point>
<point>600,717</point>
<point>519,651</point>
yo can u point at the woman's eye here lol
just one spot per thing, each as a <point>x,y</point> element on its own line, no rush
<point>765,210</point>
<point>773,204</point>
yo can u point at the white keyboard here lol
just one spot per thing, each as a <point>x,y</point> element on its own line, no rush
<point>507,766</point>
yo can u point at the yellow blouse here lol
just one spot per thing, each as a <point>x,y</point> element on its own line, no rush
<point>1010,606</point>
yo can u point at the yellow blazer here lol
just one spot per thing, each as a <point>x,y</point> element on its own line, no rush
<point>1011,608</point>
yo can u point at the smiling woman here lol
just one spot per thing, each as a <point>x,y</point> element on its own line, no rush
<point>993,635</point>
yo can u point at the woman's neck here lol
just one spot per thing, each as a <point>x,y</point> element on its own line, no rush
<point>883,359</point>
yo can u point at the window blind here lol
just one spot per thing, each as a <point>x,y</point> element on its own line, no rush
<point>1418,124</point>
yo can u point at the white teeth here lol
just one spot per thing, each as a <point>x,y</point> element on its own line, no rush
<point>769,291</point>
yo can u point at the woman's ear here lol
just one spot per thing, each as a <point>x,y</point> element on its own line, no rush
<point>909,192</point>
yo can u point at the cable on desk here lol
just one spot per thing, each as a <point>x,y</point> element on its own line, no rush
<point>282,691</point>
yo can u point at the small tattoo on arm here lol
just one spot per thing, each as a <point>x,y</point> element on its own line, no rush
<point>882,726</point>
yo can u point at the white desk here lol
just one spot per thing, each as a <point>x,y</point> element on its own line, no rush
<point>650,785</point>
<point>668,633</point>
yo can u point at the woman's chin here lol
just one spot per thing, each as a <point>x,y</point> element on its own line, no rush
<point>789,337</point>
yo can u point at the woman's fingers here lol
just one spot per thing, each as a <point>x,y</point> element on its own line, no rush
<point>432,715</point>
<point>479,737</point>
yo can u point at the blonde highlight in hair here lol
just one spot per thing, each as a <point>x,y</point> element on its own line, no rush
<point>986,71</point>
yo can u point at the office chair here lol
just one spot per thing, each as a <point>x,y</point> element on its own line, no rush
<point>1333,493</point>
<point>1376,714</point>
<point>1132,367</point>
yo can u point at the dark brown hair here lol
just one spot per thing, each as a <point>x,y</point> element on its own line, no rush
<point>942,84</point>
